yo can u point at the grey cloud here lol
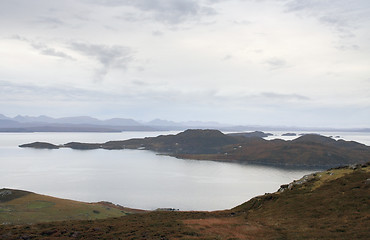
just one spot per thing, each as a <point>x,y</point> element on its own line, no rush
<point>278,96</point>
<point>352,47</point>
<point>166,11</point>
<point>242,22</point>
<point>258,51</point>
<point>261,98</point>
<point>139,82</point>
<point>292,6</point>
<point>52,22</point>
<point>342,15</point>
<point>227,57</point>
<point>211,96</point>
<point>30,92</point>
<point>133,17</point>
<point>43,48</point>
<point>157,33</point>
<point>140,69</point>
<point>110,57</point>
<point>340,25</point>
<point>25,92</point>
<point>276,63</point>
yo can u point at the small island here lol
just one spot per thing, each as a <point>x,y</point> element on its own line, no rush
<point>40,145</point>
<point>289,134</point>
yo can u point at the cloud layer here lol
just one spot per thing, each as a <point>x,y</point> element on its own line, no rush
<point>286,62</point>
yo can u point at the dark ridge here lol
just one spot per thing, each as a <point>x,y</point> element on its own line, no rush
<point>82,146</point>
<point>39,145</point>
<point>255,134</point>
<point>314,138</point>
<point>289,134</point>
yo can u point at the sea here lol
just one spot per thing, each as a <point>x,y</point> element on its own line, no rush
<point>138,178</point>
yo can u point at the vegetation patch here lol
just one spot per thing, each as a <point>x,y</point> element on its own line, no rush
<point>34,208</point>
<point>40,204</point>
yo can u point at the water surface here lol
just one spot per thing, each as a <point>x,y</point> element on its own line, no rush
<point>132,178</point>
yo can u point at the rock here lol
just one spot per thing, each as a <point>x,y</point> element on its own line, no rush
<point>283,187</point>
<point>367,181</point>
<point>5,192</point>
<point>355,166</point>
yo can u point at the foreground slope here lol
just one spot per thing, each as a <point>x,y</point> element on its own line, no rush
<point>333,204</point>
<point>22,207</point>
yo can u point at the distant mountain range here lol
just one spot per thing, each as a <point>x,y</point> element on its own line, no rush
<point>89,124</point>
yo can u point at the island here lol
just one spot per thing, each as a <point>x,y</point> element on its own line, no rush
<point>289,134</point>
<point>306,151</point>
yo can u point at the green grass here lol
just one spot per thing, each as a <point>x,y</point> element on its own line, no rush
<point>34,208</point>
<point>40,204</point>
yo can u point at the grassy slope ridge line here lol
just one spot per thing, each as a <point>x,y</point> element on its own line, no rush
<point>22,207</point>
<point>333,204</point>
<point>306,151</point>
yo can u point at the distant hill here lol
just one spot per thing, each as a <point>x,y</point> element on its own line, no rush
<point>7,123</point>
<point>89,124</point>
<point>257,134</point>
<point>189,141</point>
<point>40,145</point>
<point>332,204</point>
<point>69,124</point>
<point>304,152</point>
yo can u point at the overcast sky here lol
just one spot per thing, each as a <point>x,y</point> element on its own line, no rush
<point>266,62</point>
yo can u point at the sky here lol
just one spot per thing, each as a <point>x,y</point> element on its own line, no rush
<point>245,62</point>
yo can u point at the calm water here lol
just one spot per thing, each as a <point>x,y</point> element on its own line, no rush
<point>133,178</point>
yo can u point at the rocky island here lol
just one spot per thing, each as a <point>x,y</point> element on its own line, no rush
<point>310,150</point>
<point>289,134</point>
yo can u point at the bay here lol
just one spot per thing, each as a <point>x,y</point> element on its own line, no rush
<point>132,178</point>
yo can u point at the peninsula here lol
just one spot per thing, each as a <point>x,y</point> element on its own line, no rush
<point>307,151</point>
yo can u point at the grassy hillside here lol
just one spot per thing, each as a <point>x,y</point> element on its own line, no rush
<point>21,207</point>
<point>333,204</point>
